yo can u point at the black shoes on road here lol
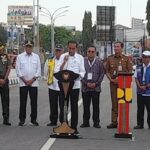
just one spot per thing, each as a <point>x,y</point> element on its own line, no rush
<point>34,123</point>
<point>52,124</point>
<point>112,126</point>
<point>97,125</point>
<point>138,127</point>
<point>7,123</point>
<point>21,123</point>
<point>85,125</point>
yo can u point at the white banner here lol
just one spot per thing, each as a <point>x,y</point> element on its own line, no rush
<point>20,15</point>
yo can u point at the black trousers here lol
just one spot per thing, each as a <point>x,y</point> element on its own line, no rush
<point>23,102</point>
<point>74,97</point>
<point>54,99</point>
<point>87,98</point>
<point>4,91</point>
<point>142,102</point>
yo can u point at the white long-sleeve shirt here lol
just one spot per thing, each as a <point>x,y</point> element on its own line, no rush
<point>76,64</point>
<point>54,85</point>
<point>28,66</point>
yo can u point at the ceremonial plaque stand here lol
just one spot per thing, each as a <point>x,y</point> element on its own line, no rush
<point>66,81</point>
<point>124,97</point>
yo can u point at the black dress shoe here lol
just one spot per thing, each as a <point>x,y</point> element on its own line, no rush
<point>138,127</point>
<point>7,123</point>
<point>34,123</point>
<point>84,125</point>
<point>21,123</point>
<point>52,124</point>
<point>112,126</point>
<point>97,125</point>
<point>77,132</point>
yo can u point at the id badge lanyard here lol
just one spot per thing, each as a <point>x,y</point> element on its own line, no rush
<point>90,75</point>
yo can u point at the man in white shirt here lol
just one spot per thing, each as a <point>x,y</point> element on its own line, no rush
<point>54,91</point>
<point>142,79</point>
<point>74,62</point>
<point>28,70</point>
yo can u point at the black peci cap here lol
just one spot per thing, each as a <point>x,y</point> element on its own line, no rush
<point>29,43</point>
<point>59,47</point>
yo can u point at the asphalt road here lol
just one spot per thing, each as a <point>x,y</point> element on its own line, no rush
<point>34,138</point>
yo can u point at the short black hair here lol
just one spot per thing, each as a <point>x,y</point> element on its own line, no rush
<point>73,42</point>
<point>92,47</point>
<point>121,43</point>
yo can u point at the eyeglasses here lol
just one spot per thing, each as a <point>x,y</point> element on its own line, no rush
<point>90,51</point>
<point>29,46</point>
<point>57,50</point>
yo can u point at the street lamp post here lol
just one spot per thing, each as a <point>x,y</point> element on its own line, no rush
<point>125,41</point>
<point>144,36</point>
<point>52,36</point>
<point>36,26</point>
<point>53,17</point>
<point>144,40</point>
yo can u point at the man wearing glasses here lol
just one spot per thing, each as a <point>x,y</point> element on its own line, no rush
<point>142,79</point>
<point>91,87</point>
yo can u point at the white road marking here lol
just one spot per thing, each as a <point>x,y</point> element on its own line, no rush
<point>48,144</point>
<point>51,141</point>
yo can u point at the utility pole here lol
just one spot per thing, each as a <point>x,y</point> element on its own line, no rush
<point>34,19</point>
<point>52,36</point>
<point>36,27</point>
<point>125,41</point>
<point>144,37</point>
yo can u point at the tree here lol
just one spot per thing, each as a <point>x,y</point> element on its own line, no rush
<point>87,31</point>
<point>62,36</point>
<point>29,33</point>
<point>148,16</point>
<point>3,34</point>
<point>45,36</point>
<point>94,31</point>
<point>78,37</point>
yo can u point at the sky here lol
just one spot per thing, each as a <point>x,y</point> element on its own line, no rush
<point>125,9</point>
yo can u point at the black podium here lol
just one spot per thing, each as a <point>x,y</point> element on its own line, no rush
<point>66,81</point>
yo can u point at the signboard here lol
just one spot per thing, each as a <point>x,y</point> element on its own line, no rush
<point>20,15</point>
<point>105,30</point>
<point>137,23</point>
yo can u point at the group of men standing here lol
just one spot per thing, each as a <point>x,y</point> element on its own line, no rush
<point>91,71</point>
<point>91,79</point>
